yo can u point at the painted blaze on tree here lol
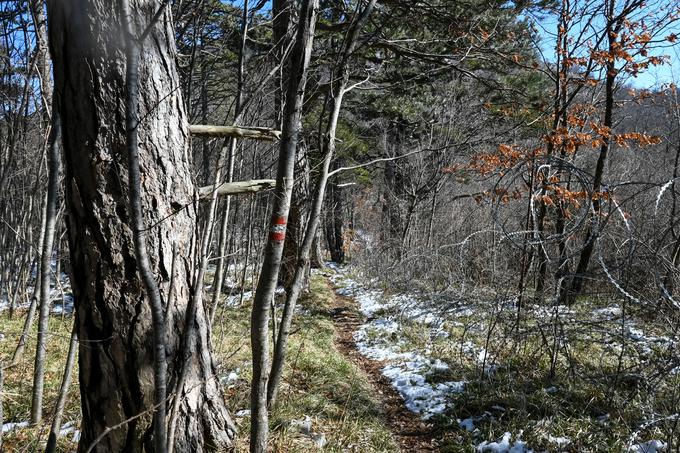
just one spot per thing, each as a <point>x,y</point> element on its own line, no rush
<point>112,313</point>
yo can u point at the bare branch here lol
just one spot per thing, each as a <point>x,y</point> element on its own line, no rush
<point>255,133</point>
<point>235,188</point>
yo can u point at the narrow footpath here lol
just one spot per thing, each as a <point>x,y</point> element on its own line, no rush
<point>409,430</point>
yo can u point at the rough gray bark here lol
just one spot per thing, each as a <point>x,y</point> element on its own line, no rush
<point>266,284</point>
<point>139,231</point>
<point>334,224</point>
<point>113,316</point>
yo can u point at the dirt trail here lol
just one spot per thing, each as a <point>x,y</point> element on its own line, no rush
<point>411,433</point>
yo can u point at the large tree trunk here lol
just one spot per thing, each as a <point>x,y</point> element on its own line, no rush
<point>113,315</point>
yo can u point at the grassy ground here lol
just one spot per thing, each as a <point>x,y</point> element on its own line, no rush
<point>579,375</point>
<point>592,391</point>
<point>18,382</point>
<point>320,384</point>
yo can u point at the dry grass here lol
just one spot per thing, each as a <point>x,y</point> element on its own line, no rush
<point>319,383</point>
<point>19,380</point>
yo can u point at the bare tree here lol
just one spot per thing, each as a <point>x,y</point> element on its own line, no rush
<point>273,251</point>
<point>341,75</point>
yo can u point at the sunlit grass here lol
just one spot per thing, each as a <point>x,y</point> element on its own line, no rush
<point>18,382</point>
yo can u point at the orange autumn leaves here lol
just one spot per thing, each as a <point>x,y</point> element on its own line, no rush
<point>562,139</point>
<point>598,136</point>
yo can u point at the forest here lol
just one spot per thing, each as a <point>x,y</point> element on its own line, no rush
<point>340,225</point>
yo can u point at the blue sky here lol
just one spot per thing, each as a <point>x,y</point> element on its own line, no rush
<point>653,77</point>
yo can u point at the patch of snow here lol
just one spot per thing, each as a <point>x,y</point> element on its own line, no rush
<point>231,377</point>
<point>233,300</point>
<point>504,446</point>
<point>410,380</point>
<point>602,419</point>
<point>319,440</point>
<point>636,334</point>
<point>242,413</point>
<point>651,446</point>
<point>560,311</point>
<point>381,339</point>
<point>68,428</point>
<point>468,424</point>
<point>608,313</point>
<point>304,425</point>
<point>559,441</point>
<point>7,427</point>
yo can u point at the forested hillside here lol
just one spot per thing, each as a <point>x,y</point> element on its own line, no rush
<point>346,226</point>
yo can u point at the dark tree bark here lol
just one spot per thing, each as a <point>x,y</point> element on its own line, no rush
<point>335,223</point>
<point>578,280</point>
<point>113,316</point>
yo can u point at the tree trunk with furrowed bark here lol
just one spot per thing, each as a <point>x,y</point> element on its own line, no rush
<point>113,315</point>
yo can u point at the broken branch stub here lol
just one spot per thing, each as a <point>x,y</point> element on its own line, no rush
<point>235,188</point>
<point>254,133</point>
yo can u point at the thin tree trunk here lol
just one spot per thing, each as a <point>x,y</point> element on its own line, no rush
<point>592,233</point>
<point>40,23</point>
<point>45,271</point>
<point>315,213</point>
<point>2,389</point>
<point>222,248</point>
<point>274,247</point>
<point>63,392</point>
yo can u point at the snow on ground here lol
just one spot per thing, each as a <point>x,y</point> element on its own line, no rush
<point>60,294</point>
<point>242,413</point>
<point>608,313</point>
<point>234,299</point>
<point>7,427</point>
<point>411,372</point>
<point>652,446</point>
<point>68,428</point>
<point>504,445</point>
<point>559,441</point>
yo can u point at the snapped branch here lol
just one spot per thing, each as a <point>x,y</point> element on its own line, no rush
<point>255,133</point>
